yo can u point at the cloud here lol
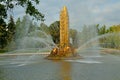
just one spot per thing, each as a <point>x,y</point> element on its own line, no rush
<point>81,11</point>
<point>95,12</point>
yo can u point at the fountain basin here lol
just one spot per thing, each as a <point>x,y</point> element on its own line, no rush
<point>63,53</point>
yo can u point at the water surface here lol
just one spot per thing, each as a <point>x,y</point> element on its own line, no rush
<point>35,67</point>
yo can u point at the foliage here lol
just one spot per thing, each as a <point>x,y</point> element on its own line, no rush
<point>54,31</point>
<point>102,30</point>
<point>7,31</point>
<point>3,11</point>
<point>10,30</point>
<point>22,27</point>
<point>113,39</point>
<point>3,33</point>
<point>3,51</point>
<point>114,28</point>
<point>44,28</point>
<point>111,29</point>
<point>6,5</point>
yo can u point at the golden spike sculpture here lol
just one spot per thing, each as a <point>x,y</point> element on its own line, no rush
<point>64,49</point>
<point>64,28</point>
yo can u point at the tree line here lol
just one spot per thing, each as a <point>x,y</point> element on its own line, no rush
<point>9,33</point>
<point>14,30</point>
<point>111,36</point>
<point>7,29</point>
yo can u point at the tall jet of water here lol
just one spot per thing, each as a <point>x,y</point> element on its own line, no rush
<point>29,36</point>
<point>88,44</point>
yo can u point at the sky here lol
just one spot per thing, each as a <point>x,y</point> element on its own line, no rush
<point>81,12</point>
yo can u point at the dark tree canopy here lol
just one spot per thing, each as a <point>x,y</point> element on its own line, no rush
<point>54,31</point>
<point>6,5</point>
<point>7,30</point>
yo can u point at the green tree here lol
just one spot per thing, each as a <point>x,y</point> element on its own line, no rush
<point>10,29</point>
<point>32,27</point>
<point>3,33</point>
<point>102,30</point>
<point>6,5</point>
<point>44,28</point>
<point>113,40</point>
<point>114,28</point>
<point>97,27</point>
<point>18,22</point>
<point>55,32</point>
<point>22,27</point>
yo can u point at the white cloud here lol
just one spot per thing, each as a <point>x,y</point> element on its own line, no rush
<point>81,11</point>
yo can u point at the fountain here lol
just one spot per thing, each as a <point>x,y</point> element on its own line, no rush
<point>64,49</point>
<point>29,38</point>
<point>37,41</point>
<point>35,67</point>
<point>32,40</point>
<point>88,42</point>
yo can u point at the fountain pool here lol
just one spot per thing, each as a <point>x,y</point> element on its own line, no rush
<point>35,67</point>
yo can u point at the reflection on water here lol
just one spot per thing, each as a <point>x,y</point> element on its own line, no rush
<point>65,70</point>
<point>1,74</point>
<point>105,67</point>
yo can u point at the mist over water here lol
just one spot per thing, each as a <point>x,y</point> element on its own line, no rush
<point>88,45</point>
<point>30,39</point>
<point>29,36</point>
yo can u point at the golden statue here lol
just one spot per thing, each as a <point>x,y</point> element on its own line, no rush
<point>64,49</point>
<point>64,28</point>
